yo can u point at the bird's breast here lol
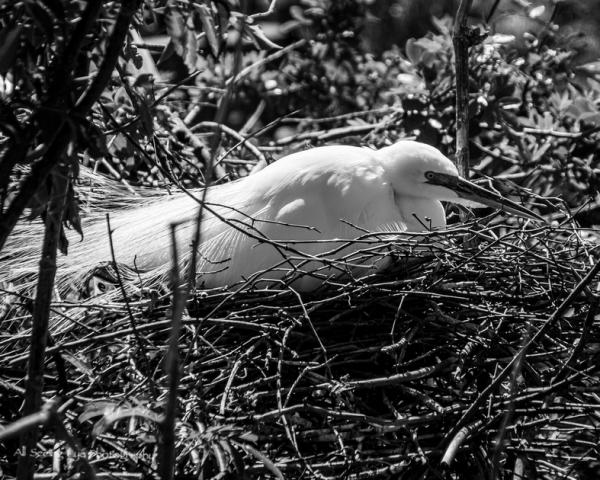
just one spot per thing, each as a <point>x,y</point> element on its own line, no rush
<point>420,214</point>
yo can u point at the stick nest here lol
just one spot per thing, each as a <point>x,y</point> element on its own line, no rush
<point>476,357</point>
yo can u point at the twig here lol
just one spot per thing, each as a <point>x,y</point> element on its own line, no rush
<point>326,135</point>
<point>492,11</point>
<point>269,58</point>
<point>167,447</point>
<point>266,13</point>
<point>230,131</point>
<point>457,441</point>
<point>181,294</point>
<point>580,287</point>
<point>201,151</point>
<point>30,422</point>
<point>140,340</point>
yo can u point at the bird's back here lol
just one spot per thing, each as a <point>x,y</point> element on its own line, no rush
<point>296,207</point>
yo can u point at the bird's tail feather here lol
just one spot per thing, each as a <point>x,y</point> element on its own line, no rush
<point>130,210</point>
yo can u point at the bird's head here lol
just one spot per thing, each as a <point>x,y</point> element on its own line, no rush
<point>421,171</point>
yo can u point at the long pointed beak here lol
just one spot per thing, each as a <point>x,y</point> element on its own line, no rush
<point>474,193</point>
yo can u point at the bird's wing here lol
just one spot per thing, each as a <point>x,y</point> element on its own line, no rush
<point>323,194</point>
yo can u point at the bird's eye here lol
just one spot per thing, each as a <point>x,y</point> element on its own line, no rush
<point>429,175</point>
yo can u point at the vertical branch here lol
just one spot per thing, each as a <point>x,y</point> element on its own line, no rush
<point>138,336</point>
<point>167,451</point>
<point>182,288</point>
<point>492,11</point>
<point>460,40</point>
<point>41,314</point>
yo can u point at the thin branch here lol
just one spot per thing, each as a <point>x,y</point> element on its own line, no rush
<point>269,58</point>
<point>29,422</point>
<point>492,11</point>
<point>266,13</point>
<point>562,308</point>
<point>181,292</point>
<point>172,366</point>
<point>140,340</point>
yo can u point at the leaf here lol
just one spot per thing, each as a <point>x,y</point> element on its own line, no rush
<point>269,465</point>
<point>167,52</point>
<point>190,51</point>
<point>79,365</point>
<point>235,457</point>
<point>9,42</point>
<point>413,51</point>
<point>95,409</point>
<point>441,24</point>
<point>175,29</point>
<point>500,39</point>
<point>590,118</point>
<point>123,413</point>
<point>208,25</point>
<point>260,36</point>
<point>591,68</point>
<point>581,106</point>
<point>429,44</point>
<point>537,12</point>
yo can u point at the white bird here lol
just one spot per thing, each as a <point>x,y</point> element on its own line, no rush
<point>291,209</point>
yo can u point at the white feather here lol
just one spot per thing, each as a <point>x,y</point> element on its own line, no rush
<point>287,209</point>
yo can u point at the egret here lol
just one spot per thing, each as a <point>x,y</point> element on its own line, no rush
<point>292,209</point>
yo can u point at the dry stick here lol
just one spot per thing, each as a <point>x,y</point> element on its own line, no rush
<point>461,52</point>
<point>220,117</point>
<point>587,326</point>
<point>172,365</point>
<point>331,134</point>
<point>499,448</point>
<point>266,13</point>
<point>457,441</point>
<point>167,454</point>
<point>136,333</point>
<point>41,315</point>
<point>289,428</point>
<point>579,288</point>
<point>492,11</point>
<point>230,131</point>
<point>199,148</point>
<point>29,422</point>
<point>274,56</point>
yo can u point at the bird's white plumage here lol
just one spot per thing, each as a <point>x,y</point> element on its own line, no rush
<point>327,193</point>
<point>296,207</point>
